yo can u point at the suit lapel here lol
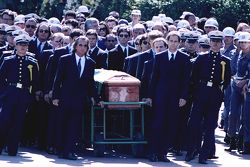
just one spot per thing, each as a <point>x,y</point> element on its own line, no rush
<point>74,65</point>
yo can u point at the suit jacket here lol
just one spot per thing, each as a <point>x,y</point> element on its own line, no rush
<point>146,78</point>
<point>100,57</point>
<point>43,61</point>
<point>52,66</point>
<point>69,88</point>
<point>170,80</point>
<point>134,64</point>
<point>33,47</point>
<point>116,57</point>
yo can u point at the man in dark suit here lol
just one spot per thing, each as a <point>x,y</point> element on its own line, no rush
<point>117,55</point>
<point>169,91</point>
<point>40,43</point>
<point>135,63</point>
<point>96,53</point>
<point>39,107</point>
<point>74,84</point>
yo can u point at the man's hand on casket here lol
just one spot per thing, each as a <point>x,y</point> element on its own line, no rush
<point>148,101</point>
<point>55,102</point>
<point>93,102</point>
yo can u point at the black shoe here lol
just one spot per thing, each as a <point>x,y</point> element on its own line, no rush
<point>212,157</point>
<point>244,152</point>
<point>71,156</point>
<point>163,158</point>
<point>178,153</point>
<point>202,161</point>
<point>189,156</point>
<point>232,146</point>
<point>12,154</point>
<point>227,139</point>
<point>50,150</point>
<point>60,155</point>
<point>153,158</point>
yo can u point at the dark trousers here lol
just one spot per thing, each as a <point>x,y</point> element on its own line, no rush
<point>52,125</point>
<point>12,117</point>
<point>163,127</point>
<point>206,105</point>
<point>68,128</point>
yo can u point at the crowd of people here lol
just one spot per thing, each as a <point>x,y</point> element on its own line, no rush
<point>187,68</point>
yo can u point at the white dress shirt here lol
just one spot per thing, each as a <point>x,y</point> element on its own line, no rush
<point>83,59</point>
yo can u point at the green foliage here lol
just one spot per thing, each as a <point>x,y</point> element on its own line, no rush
<point>228,12</point>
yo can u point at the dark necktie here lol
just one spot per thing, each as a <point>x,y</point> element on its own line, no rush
<point>40,47</point>
<point>172,57</point>
<point>79,67</point>
<point>125,52</point>
<point>90,52</point>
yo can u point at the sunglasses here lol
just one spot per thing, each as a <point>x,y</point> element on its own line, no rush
<point>125,36</point>
<point>111,40</point>
<point>30,26</point>
<point>83,45</point>
<point>102,29</point>
<point>44,31</point>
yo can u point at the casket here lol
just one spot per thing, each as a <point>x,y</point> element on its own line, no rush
<point>117,86</point>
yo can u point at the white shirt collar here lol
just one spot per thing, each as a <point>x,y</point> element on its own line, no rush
<point>170,53</point>
<point>83,59</point>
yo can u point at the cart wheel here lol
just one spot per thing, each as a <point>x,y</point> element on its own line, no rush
<point>99,149</point>
<point>138,149</point>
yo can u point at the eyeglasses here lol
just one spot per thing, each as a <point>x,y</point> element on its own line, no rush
<point>111,40</point>
<point>30,26</point>
<point>44,31</point>
<point>102,29</point>
<point>145,42</point>
<point>123,35</point>
<point>83,45</point>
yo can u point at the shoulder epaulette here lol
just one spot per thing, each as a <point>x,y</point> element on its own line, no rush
<point>9,57</point>
<point>203,53</point>
<point>30,54</point>
<point>32,59</point>
<point>7,51</point>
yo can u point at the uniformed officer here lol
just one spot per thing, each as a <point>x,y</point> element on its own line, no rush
<point>211,75</point>
<point>203,44</point>
<point>18,80</point>
<point>228,46</point>
<point>191,44</point>
<point>239,80</point>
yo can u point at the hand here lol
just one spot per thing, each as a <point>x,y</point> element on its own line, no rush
<point>148,101</point>
<point>55,102</point>
<point>241,83</point>
<point>38,95</point>
<point>46,98</point>
<point>50,94</point>
<point>101,104</point>
<point>182,102</point>
<point>245,89</point>
<point>92,101</point>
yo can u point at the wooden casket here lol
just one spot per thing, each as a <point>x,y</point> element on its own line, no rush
<point>117,86</point>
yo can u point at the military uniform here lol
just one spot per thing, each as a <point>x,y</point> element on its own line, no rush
<point>18,80</point>
<point>211,75</point>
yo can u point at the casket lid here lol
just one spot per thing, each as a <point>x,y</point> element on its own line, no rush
<point>115,77</point>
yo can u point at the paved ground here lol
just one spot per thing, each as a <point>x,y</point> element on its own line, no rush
<point>34,158</point>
